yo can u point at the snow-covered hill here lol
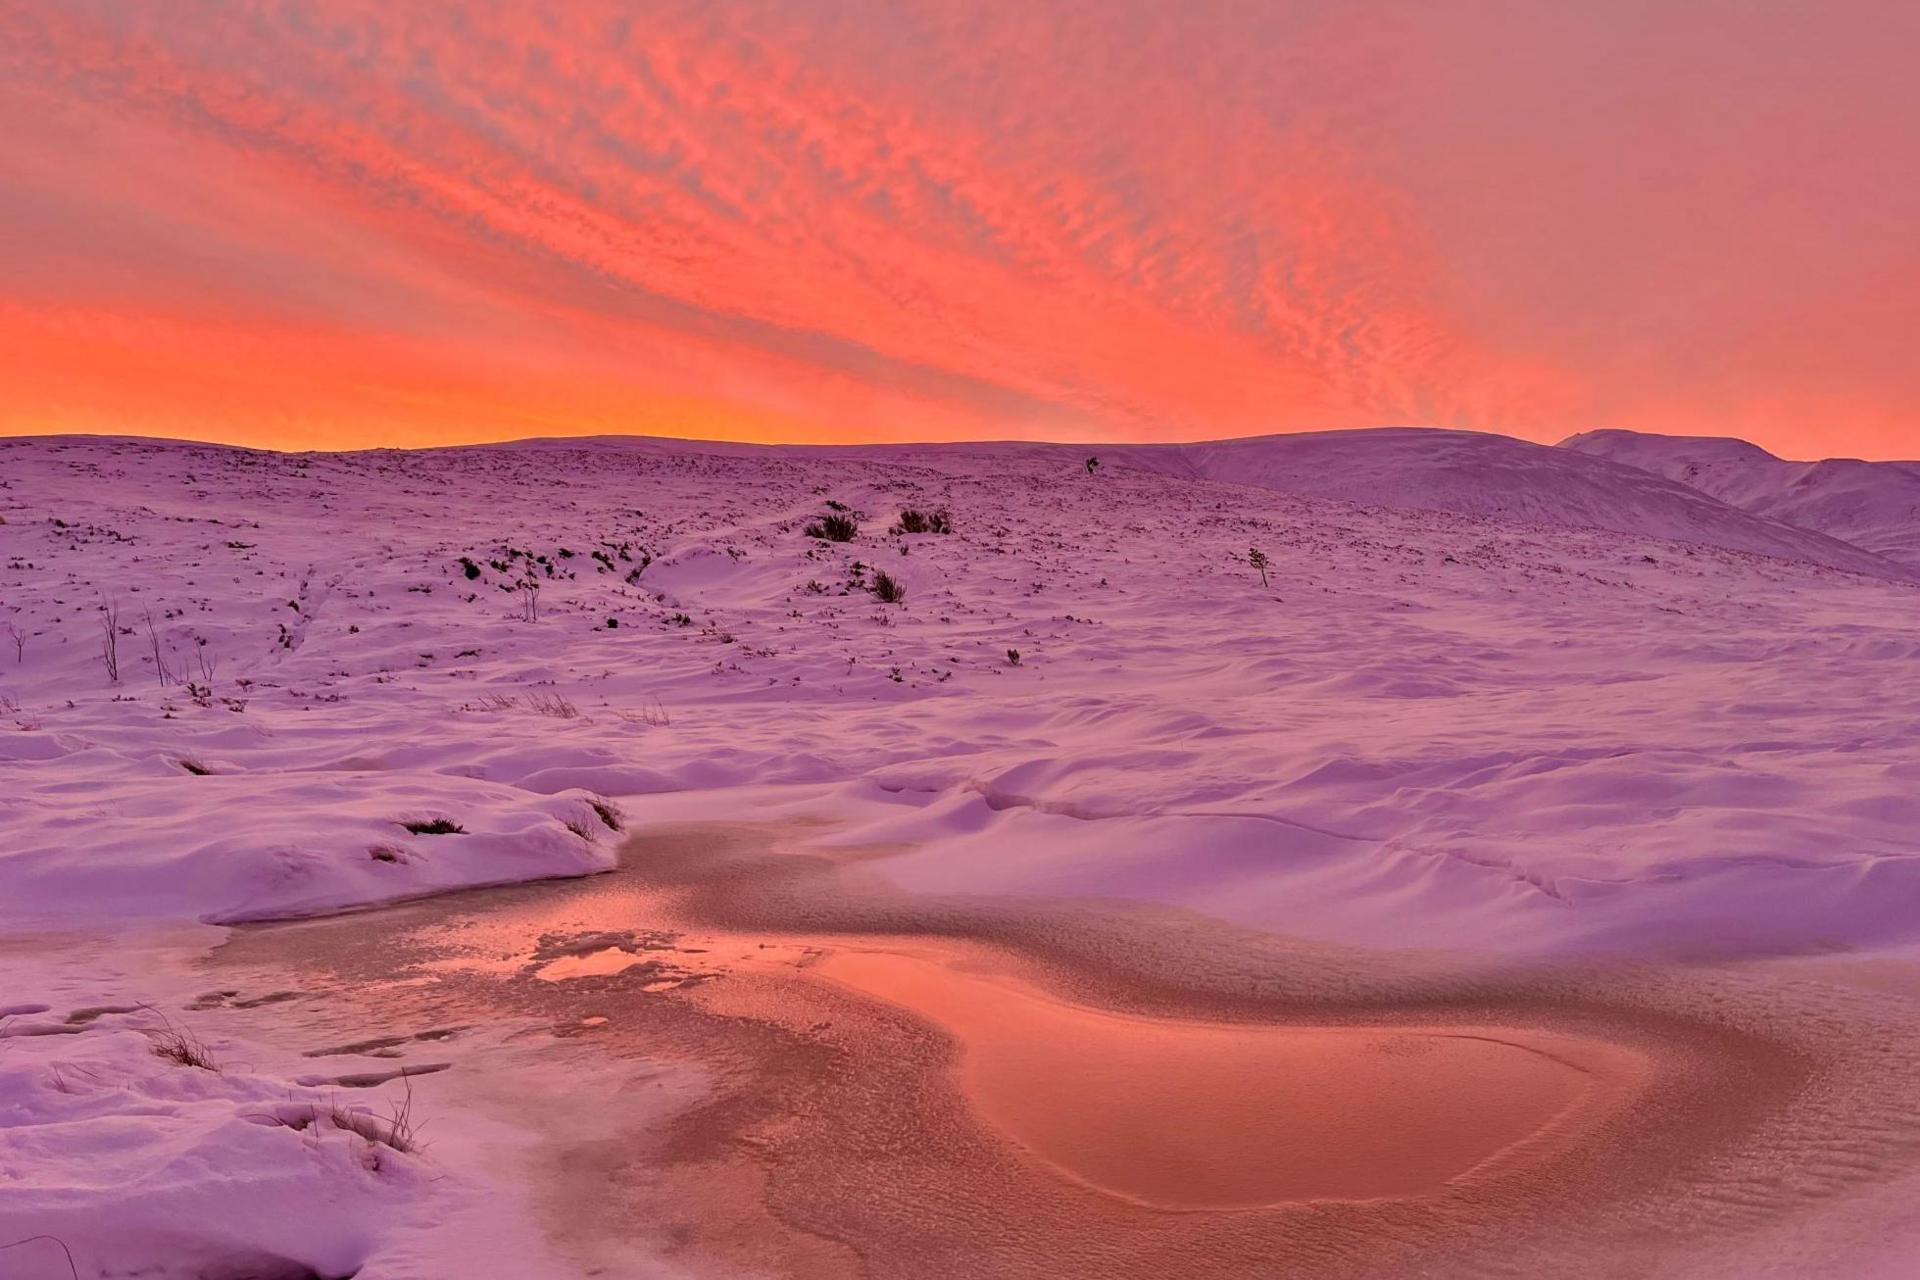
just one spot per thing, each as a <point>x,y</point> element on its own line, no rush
<point>1874,505</point>
<point>1473,473</point>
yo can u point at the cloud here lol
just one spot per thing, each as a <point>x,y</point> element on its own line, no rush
<point>856,219</point>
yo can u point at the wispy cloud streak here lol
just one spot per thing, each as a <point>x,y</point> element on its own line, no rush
<point>340,221</point>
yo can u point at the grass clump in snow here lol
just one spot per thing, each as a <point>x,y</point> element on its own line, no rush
<point>888,588</point>
<point>553,706</point>
<point>179,1045</point>
<point>397,1130</point>
<point>435,827</point>
<point>608,812</point>
<point>834,527</point>
<point>916,521</point>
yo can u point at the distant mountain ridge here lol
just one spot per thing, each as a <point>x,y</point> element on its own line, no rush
<point>1475,473</point>
<point>1857,517</point>
<point>1873,505</point>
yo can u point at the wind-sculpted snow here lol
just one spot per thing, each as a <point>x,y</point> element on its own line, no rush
<point>1430,727</point>
<point>1874,505</point>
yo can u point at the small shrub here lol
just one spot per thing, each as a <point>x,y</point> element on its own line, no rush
<point>834,528</point>
<point>435,827</point>
<point>914,521</point>
<point>1258,559</point>
<point>1013,657</point>
<point>888,588</point>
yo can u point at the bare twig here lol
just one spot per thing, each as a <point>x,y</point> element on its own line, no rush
<point>208,660</point>
<point>110,639</point>
<point>71,1268</point>
<point>159,658</point>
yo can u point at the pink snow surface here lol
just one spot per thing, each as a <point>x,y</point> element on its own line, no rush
<point>1431,727</point>
<point>1486,702</point>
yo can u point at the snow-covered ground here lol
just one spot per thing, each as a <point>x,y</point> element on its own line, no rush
<point>239,685</point>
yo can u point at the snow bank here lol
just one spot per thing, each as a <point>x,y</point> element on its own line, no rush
<point>128,1162</point>
<point>244,846</point>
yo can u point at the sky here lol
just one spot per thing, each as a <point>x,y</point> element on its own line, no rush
<point>349,223</point>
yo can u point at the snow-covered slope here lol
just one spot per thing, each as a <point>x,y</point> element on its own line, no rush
<point>1553,737</point>
<point>1874,505</point>
<point>1474,473</point>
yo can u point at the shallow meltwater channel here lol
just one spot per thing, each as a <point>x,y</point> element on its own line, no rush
<point>1195,1115</point>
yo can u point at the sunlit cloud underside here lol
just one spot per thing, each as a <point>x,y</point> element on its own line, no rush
<point>341,223</point>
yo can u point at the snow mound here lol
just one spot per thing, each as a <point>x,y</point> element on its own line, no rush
<point>119,1161</point>
<point>227,847</point>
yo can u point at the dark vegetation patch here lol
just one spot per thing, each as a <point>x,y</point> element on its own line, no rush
<point>834,527</point>
<point>888,588</point>
<point>913,520</point>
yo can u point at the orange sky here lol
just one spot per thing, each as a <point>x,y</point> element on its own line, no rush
<point>336,223</point>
